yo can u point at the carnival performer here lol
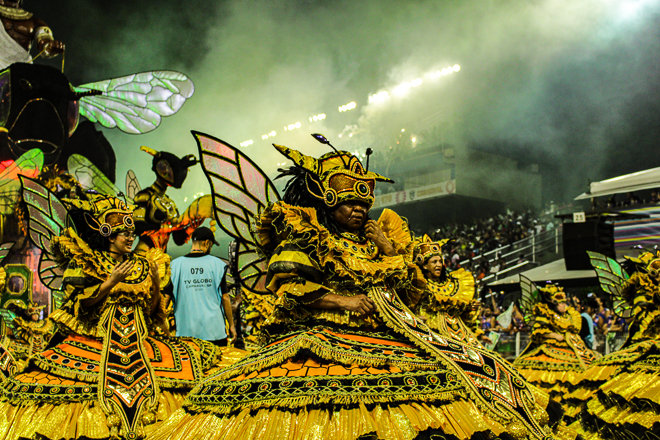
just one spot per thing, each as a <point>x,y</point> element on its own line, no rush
<point>29,333</point>
<point>112,371</point>
<point>346,358</point>
<point>448,305</point>
<point>19,30</point>
<point>556,355</point>
<point>619,395</point>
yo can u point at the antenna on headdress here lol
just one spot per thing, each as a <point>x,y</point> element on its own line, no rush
<point>322,139</point>
<point>123,196</point>
<point>369,152</point>
<point>148,150</point>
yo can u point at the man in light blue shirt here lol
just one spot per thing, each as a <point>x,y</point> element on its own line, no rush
<point>200,306</point>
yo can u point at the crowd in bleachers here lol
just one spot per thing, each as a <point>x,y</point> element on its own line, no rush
<point>476,237</point>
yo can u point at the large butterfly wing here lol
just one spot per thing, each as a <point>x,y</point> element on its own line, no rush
<point>612,278</point>
<point>240,190</point>
<point>90,177</point>
<point>46,219</point>
<point>132,185</point>
<point>30,165</point>
<point>529,298</point>
<point>136,103</point>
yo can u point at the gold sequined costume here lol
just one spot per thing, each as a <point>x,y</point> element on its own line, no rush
<point>619,395</point>
<point>447,303</point>
<point>112,371</point>
<point>553,365</point>
<point>329,374</point>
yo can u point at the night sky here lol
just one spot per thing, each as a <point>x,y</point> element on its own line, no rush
<point>571,85</point>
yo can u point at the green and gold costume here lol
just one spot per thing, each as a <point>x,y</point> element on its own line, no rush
<point>555,366</point>
<point>619,395</point>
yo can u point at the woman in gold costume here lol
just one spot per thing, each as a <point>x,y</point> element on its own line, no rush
<point>345,357</point>
<point>619,395</point>
<point>112,370</point>
<point>448,305</point>
<point>28,334</point>
<point>556,355</point>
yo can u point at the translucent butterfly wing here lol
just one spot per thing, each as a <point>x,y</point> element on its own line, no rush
<point>612,279</point>
<point>46,219</point>
<point>529,298</point>
<point>240,190</point>
<point>132,185</point>
<point>30,165</point>
<point>4,250</point>
<point>90,177</point>
<point>136,103</point>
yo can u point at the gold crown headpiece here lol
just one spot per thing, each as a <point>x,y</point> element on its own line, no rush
<point>105,214</point>
<point>553,294</point>
<point>336,177</point>
<point>29,307</point>
<point>427,248</point>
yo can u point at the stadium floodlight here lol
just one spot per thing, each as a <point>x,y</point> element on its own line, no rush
<point>416,82</point>
<point>379,97</point>
<point>346,107</point>
<point>402,88</point>
<point>456,67</point>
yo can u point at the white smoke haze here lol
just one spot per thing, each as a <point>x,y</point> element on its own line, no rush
<point>564,79</point>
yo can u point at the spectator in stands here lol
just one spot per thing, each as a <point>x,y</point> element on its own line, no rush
<point>631,199</point>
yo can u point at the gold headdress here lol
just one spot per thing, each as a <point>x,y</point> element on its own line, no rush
<point>105,214</point>
<point>427,248</point>
<point>648,262</point>
<point>18,304</point>
<point>553,294</point>
<point>336,177</point>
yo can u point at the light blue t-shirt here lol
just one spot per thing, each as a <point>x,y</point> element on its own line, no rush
<point>196,283</point>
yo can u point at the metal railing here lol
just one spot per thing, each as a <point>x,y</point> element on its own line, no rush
<point>511,345</point>
<point>536,246</point>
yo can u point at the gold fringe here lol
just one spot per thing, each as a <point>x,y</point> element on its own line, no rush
<point>309,343</point>
<point>544,377</point>
<point>615,415</point>
<point>297,403</point>
<point>69,421</point>
<point>402,422</point>
<point>69,374</point>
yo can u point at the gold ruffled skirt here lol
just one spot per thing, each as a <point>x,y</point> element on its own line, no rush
<point>622,398</point>
<point>554,368</point>
<point>342,385</point>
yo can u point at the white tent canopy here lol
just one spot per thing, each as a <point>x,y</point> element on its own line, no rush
<point>647,179</point>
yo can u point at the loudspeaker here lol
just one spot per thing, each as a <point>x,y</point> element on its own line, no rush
<point>578,238</point>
